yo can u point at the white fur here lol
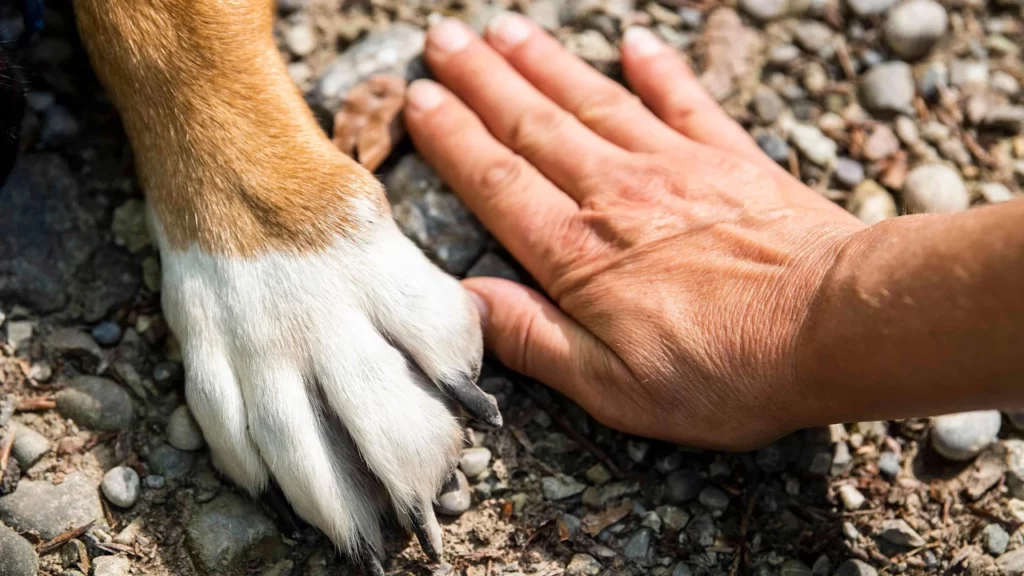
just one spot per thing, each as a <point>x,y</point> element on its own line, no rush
<point>278,345</point>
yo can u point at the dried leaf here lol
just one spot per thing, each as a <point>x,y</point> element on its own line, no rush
<point>594,523</point>
<point>369,123</point>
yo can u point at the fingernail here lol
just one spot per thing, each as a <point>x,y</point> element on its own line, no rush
<point>449,36</point>
<point>641,41</point>
<point>424,95</point>
<point>508,30</point>
<point>481,307</point>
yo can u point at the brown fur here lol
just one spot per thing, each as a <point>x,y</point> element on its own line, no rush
<point>228,153</point>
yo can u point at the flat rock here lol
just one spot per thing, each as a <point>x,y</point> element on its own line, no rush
<point>75,345</point>
<point>561,487</point>
<point>111,566</point>
<point>48,509</point>
<point>29,446</point>
<point>169,462</point>
<point>96,403</point>
<point>17,557</point>
<point>900,533</point>
<point>864,8</point>
<point>962,436</point>
<point>228,532</point>
<point>434,218</point>
<point>1012,563</point>
<point>583,565</point>
<point>855,567</point>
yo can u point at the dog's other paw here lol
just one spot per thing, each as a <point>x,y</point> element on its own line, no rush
<point>334,372</point>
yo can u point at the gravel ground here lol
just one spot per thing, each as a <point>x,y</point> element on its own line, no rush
<point>884,107</point>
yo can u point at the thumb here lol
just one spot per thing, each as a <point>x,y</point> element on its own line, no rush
<point>531,335</point>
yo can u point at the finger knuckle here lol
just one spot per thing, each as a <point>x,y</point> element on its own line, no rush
<point>606,106</point>
<point>533,129</point>
<point>503,174</point>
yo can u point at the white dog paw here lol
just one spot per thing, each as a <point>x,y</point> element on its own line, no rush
<point>334,373</point>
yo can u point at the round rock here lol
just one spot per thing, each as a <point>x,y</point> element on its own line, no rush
<point>914,26</point>
<point>935,188</point>
<point>96,402</point>
<point>766,10</point>
<point>183,432</point>
<point>455,496</point>
<point>106,333</point>
<point>887,88</point>
<point>29,446</point>
<point>50,510</point>
<point>869,7</point>
<point>229,532</point>
<point>963,436</point>
<point>17,557</point>
<point>774,147</point>
<point>121,486</point>
<point>474,461</point>
<point>169,462</point>
<point>871,203</point>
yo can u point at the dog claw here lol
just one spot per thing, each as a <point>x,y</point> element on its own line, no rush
<point>480,405</point>
<point>427,531</point>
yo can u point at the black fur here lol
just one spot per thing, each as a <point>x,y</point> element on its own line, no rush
<point>12,110</point>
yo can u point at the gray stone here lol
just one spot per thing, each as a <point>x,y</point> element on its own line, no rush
<point>783,54</point>
<point>850,531</point>
<point>111,566</point>
<point>637,450</point>
<point>155,481</point>
<point>1014,456</point>
<point>561,487</point>
<point>106,333</point>
<point>813,36</point>
<point>994,192</point>
<point>914,26</point>
<point>638,545</point>
<point>702,530</point>
<point>774,147</point>
<point>1005,117</point>
<point>900,533</point>
<point>854,567</point>
<point>766,10</point>
<point>1005,83</point>
<point>887,88</point>
<point>1012,563</point>
<point>600,496</point>
<point>455,496</point>
<point>881,143</point>
<point>19,333</point>
<point>474,461</point>
<point>227,533</point>
<point>682,486</point>
<point>48,509</point>
<point>433,217</point>
<point>673,517</point>
<point>907,130</point>
<point>849,172</point>
<point>768,105</point>
<point>75,345</point>
<point>935,188</point>
<point>682,569</point>
<point>963,436</point>
<point>871,203</point>
<point>889,464</point>
<point>183,432</point>
<point>71,553</point>
<point>864,8</point>
<point>121,486</point>
<point>583,565</point>
<point>300,39</point>
<point>713,498</point>
<point>169,462</point>
<point>97,403</point>
<point>968,73</point>
<point>814,145</point>
<point>17,557</point>
<point>394,50</point>
<point>995,539</point>
<point>7,405</point>
<point>29,446</point>
<point>547,13</point>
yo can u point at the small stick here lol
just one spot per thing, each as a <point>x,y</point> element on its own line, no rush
<point>5,451</point>
<point>36,404</point>
<point>60,539</point>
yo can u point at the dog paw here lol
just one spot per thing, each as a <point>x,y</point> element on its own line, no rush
<point>335,373</point>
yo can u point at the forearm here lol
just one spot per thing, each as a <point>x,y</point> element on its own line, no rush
<point>920,315</point>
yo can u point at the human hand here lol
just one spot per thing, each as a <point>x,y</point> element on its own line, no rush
<point>679,260</point>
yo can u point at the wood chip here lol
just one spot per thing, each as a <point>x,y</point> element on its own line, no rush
<point>36,404</point>
<point>59,540</point>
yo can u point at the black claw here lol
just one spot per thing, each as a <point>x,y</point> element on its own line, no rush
<point>419,528</point>
<point>480,405</point>
<point>371,566</point>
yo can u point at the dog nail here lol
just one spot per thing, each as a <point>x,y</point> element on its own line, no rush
<point>428,532</point>
<point>480,405</point>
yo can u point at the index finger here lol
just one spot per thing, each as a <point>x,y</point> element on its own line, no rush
<point>525,211</point>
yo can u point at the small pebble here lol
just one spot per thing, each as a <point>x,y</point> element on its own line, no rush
<point>814,145</point>
<point>850,532</point>
<point>913,27</point>
<point>812,35</point>
<point>583,565</point>
<point>766,10</point>
<point>673,517</point>
<point>864,8</point>
<point>854,567</point>
<point>887,88</point>
<point>907,130</point>
<point>455,496</point>
<point>561,487</point>
<point>935,188</point>
<point>774,147</point>
<point>29,446</point>
<point>682,569</point>
<point>106,333</point>
<point>783,54</point>
<point>183,432</point>
<point>155,481</point>
<point>881,143</point>
<point>900,533</point>
<point>963,436</point>
<point>682,486</point>
<point>849,172</point>
<point>111,566</point>
<point>995,539</point>
<point>300,39</point>
<point>889,464</point>
<point>637,450</point>
<point>474,461</point>
<point>995,192</point>
<point>968,72</point>
<point>18,558</point>
<point>714,498</point>
<point>851,497</point>
<point>121,486</point>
